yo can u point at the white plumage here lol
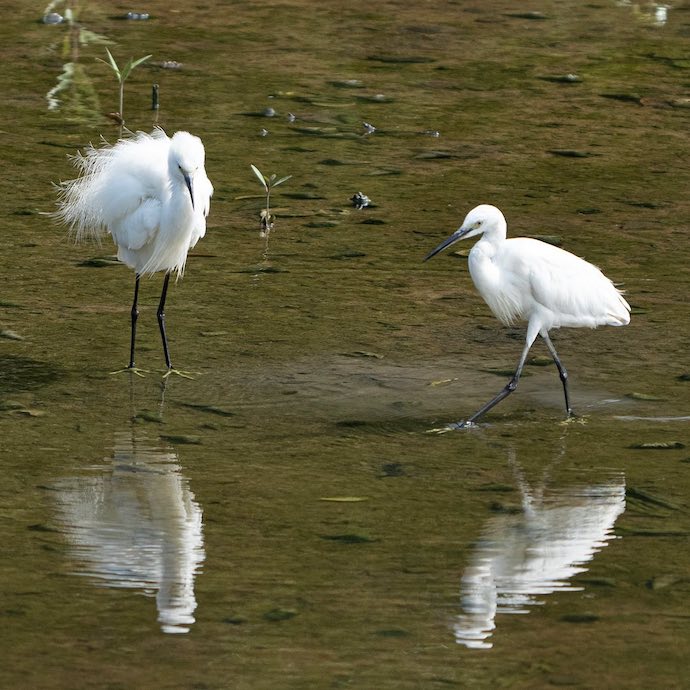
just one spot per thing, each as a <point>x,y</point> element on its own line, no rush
<point>523,279</point>
<point>151,193</point>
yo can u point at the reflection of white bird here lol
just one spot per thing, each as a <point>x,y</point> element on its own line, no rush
<point>534,553</point>
<point>151,193</point>
<point>136,525</point>
<point>523,279</point>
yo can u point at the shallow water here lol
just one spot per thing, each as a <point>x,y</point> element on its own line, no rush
<point>285,519</point>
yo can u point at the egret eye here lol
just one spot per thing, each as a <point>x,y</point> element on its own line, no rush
<point>478,225</point>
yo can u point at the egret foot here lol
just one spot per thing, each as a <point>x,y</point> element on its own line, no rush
<point>132,370</point>
<point>183,374</point>
<point>574,419</point>
<point>453,426</point>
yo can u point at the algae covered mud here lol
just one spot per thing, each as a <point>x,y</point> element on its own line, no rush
<point>284,520</point>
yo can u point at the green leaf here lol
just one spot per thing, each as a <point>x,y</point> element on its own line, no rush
<point>131,64</point>
<point>258,173</point>
<point>281,180</point>
<point>138,62</point>
<point>112,63</point>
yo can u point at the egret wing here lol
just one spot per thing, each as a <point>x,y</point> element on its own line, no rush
<point>139,225</point>
<point>576,292</point>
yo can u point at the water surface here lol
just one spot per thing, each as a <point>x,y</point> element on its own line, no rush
<point>284,520</point>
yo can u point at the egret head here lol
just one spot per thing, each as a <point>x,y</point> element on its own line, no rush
<point>482,218</point>
<point>185,158</point>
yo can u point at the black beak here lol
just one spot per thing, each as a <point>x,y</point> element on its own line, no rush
<point>188,182</point>
<point>457,235</point>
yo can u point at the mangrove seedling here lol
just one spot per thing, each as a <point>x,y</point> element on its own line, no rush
<point>121,75</point>
<point>268,184</point>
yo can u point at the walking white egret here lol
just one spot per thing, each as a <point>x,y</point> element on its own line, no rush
<point>151,193</point>
<point>523,279</point>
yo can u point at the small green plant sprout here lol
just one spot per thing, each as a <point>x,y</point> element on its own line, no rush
<point>121,75</point>
<point>268,183</point>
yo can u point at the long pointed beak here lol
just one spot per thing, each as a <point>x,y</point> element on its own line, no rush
<point>188,182</point>
<point>457,235</point>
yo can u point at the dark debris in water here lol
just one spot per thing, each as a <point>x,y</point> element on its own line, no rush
<point>360,200</point>
<point>263,269</point>
<point>502,488</point>
<point>646,497</point>
<point>133,16</point>
<point>41,528</point>
<point>362,353</point>
<point>580,618</point>
<point>625,97</point>
<point>234,620</point>
<point>663,581</point>
<point>148,416</point>
<point>392,469</point>
<point>211,409</point>
<point>570,153</point>
<point>181,439</point>
<point>348,254</point>
<point>400,59</point>
<point>393,632</point>
<point>658,445</point>
<point>347,83</point>
<point>22,373</point>
<point>538,16</point>
<point>505,509</point>
<point>349,538</point>
<point>279,614</point>
<point>562,78</point>
<point>100,262</point>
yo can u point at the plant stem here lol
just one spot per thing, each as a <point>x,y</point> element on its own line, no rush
<point>122,106</point>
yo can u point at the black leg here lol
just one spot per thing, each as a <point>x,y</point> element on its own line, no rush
<point>562,373</point>
<point>509,388</point>
<point>135,316</point>
<point>161,320</point>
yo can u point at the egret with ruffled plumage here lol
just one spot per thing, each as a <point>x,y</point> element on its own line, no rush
<point>150,192</point>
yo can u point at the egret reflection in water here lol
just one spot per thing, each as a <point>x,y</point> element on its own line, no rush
<point>522,557</point>
<point>135,524</point>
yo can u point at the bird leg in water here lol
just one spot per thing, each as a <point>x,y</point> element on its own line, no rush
<point>513,383</point>
<point>161,320</point>
<point>161,324</point>
<point>135,315</point>
<point>562,373</point>
<point>509,388</point>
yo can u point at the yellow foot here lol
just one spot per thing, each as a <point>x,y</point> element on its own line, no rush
<point>453,426</point>
<point>132,370</point>
<point>183,374</point>
<point>575,419</point>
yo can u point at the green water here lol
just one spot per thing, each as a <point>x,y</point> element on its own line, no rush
<point>324,358</point>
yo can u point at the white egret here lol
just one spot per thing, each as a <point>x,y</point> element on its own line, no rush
<point>151,193</point>
<point>523,279</point>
